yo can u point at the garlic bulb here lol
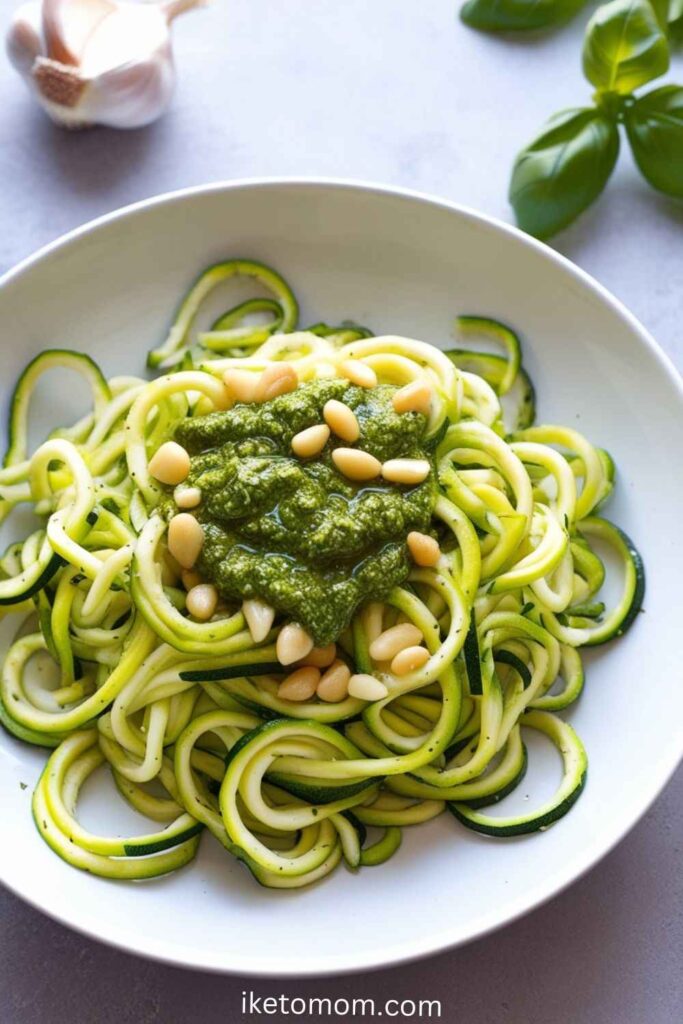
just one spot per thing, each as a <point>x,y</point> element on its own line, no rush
<point>97,61</point>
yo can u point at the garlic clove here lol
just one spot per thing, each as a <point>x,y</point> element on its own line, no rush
<point>69,24</point>
<point>24,40</point>
<point>97,61</point>
<point>130,96</point>
<point>61,85</point>
<point>135,33</point>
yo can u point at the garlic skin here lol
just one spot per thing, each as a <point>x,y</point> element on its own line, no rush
<point>91,62</point>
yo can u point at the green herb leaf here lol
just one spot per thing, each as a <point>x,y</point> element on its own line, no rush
<point>661,9</point>
<point>563,170</point>
<point>675,19</point>
<point>518,15</point>
<point>624,47</point>
<point>654,125</point>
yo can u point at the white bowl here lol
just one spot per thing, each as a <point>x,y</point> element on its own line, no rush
<point>405,264</point>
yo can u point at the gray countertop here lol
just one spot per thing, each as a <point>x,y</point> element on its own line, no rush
<point>396,92</point>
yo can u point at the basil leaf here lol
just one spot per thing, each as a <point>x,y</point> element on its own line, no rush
<point>624,46</point>
<point>675,19</point>
<point>654,125</point>
<point>518,15</point>
<point>563,170</point>
<point>661,9</point>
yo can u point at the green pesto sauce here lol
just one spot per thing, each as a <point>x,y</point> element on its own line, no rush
<point>295,532</point>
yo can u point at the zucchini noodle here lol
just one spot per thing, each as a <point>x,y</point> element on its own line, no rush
<point>111,671</point>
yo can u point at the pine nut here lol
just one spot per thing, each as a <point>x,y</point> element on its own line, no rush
<point>242,385</point>
<point>277,379</point>
<point>190,578</point>
<point>366,687</point>
<point>310,441</point>
<point>406,471</point>
<point>358,373</point>
<point>299,685</point>
<point>355,464</point>
<point>334,684</point>
<point>293,643</point>
<point>321,657</point>
<point>424,549</point>
<point>187,497</point>
<point>170,463</point>
<point>414,397</point>
<point>393,640</point>
<point>341,420</point>
<point>185,539</point>
<point>373,618</point>
<point>259,616</point>
<point>409,659</point>
<point>201,601</point>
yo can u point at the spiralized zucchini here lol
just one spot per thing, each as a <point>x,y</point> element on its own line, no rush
<point>129,681</point>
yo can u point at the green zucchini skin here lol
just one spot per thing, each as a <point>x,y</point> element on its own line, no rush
<point>146,856</point>
<point>487,327</point>
<point>569,791</point>
<point>522,402</point>
<point>233,316</point>
<point>502,372</point>
<point>620,619</point>
<point>146,849</point>
<point>320,792</point>
<point>26,735</point>
<point>52,566</point>
<point>175,346</point>
<point>512,828</point>
<point>267,668</point>
<point>383,849</point>
<point>246,739</point>
<point>507,658</point>
<point>500,794</point>
<point>358,825</point>
<point>267,714</point>
<point>472,659</point>
<point>635,604</point>
<point>46,360</point>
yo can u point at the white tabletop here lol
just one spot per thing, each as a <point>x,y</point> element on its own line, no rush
<point>399,92</point>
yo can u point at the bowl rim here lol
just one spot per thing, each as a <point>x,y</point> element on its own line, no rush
<point>438,942</point>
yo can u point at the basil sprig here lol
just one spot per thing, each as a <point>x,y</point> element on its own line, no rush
<point>530,15</point>
<point>517,15</point>
<point>566,167</point>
